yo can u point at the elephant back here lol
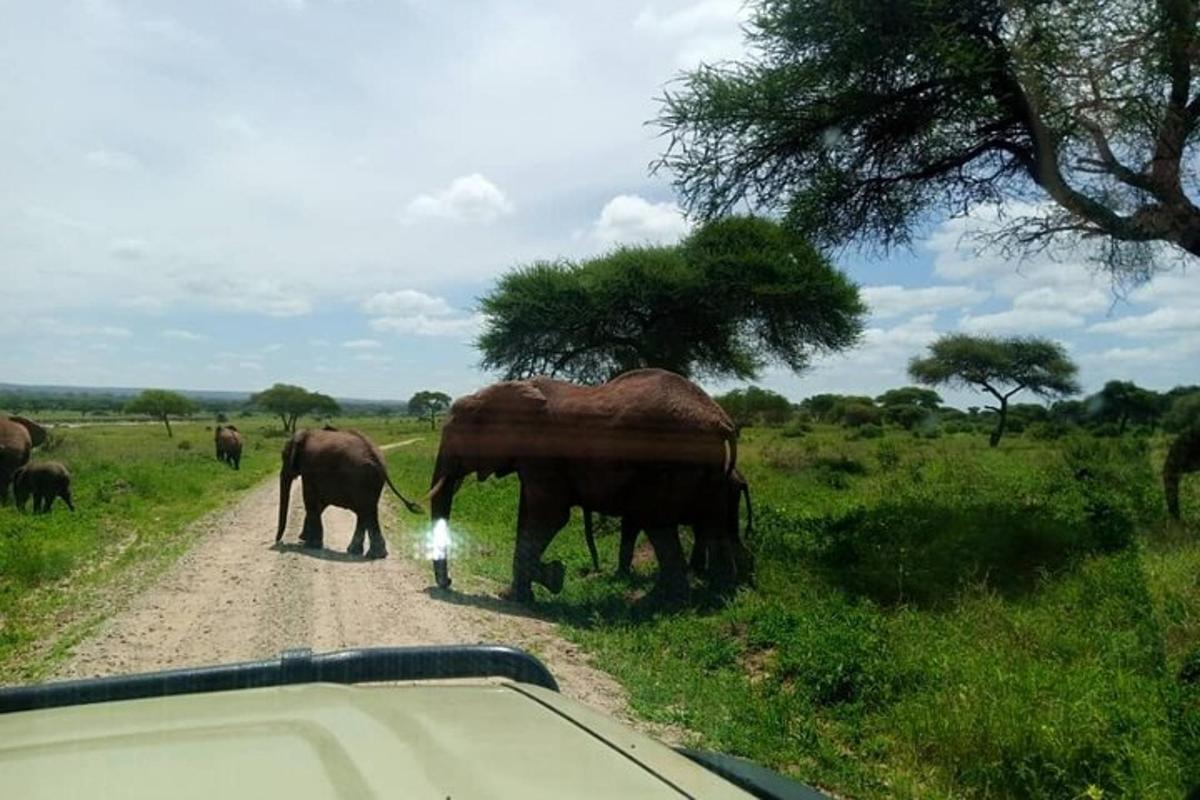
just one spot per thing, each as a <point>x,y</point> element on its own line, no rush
<point>19,432</point>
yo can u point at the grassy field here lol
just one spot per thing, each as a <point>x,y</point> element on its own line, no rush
<point>135,490</point>
<point>932,618</point>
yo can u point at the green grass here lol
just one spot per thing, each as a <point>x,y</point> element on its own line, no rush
<point>135,493</point>
<point>932,617</point>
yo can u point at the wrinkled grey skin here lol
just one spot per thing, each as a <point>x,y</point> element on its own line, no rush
<point>18,436</point>
<point>45,481</point>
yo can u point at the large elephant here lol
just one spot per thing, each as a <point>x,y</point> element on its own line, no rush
<point>228,441</point>
<point>337,468</point>
<point>1182,457</point>
<point>648,446</point>
<point>18,436</point>
<point>737,486</point>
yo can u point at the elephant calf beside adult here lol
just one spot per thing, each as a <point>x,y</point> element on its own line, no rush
<point>228,441</point>
<point>336,468</point>
<point>44,481</point>
<point>18,437</point>
<point>649,446</point>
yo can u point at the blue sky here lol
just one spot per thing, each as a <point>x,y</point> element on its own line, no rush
<point>223,195</point>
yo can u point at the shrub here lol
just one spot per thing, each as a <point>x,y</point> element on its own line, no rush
<point>867,432</point>
<point>184,445</point>
<point>888,455</point>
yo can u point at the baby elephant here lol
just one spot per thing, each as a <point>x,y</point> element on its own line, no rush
<point>229,445</point>
<point>45,480</point>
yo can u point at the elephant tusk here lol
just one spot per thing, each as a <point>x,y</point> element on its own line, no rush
<point>728,457</point>
<point>437,487</point>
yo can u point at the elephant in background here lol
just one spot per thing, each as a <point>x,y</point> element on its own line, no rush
<point>337,468</point>
<point>229,445</point>
<point>738,487</point>
<point>45,480</point>
<point>649,445</point>
<point>1182,457</point>
<point>18,436</point>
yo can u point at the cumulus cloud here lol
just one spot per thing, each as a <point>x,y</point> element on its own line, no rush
<point>361,344</point>
<point>631,219</point>
<point>421,325</point>
<point>1168,320</point>
<point>896,301</point>
<point>705,31</point>
<point>406,302</point>
<point>470,198</point>
<point>414,313</point>
<point>184,335</point>
<point>1021,320</point>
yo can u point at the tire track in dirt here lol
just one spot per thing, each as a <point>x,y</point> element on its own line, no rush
<point>235,596</point>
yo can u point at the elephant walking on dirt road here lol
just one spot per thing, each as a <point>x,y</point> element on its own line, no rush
<point>18,436</point>
<point>336,468</point>
<point>228,441</point>
<point>648,446</point>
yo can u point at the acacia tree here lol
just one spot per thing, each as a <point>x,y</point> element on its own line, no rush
<point>1000,367</point>
<point>735,295</point>
<point>162,405</point>
<point>855,120</point>
<point>1123,401</point>
<point>428,404</point>
<point>290,402</point>
<point>746,406</point>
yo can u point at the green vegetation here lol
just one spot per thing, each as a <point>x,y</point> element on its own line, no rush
<point>735,295</point>
<point>428,405</point>
<point>162,405</point>
<point>854,125</point>
<point>289,403</point>
<point>932,618</point>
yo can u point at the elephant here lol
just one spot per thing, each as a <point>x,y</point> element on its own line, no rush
<point>698,562</point>
<point>648,445</point>
<point>18,436</point>
<point>339,468</point>
<point>1182,457</point>
<point>45,480</point>
<point>229,445</point>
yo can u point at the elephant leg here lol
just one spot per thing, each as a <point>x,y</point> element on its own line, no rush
<point>672,581</point>
<point>589,534</point>
<point>356,541</point>
<point>722,559</point>
<point>540,516</point>
<point>629,534</point>
<point>313,533</point>
<point>378,548</point>
<point>698,563</point>
<point>66,498</point>
<point>5,480</point>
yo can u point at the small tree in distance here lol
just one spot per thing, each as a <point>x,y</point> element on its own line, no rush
<point>289,403</point>
<point>428,404</point>
<point>1000,367</point>
<point>161,404</point>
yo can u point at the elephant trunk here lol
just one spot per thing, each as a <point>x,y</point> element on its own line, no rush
<point>285,494</point>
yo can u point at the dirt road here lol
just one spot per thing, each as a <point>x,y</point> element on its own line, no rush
<point>235,596</point>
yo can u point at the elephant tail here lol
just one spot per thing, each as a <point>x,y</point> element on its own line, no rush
<point>590,535</point>
<point>410,505</point>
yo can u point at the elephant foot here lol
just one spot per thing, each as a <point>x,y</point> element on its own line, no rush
<point>377,553</point>
<point>518,594</point>
<point>355,549</point>
<point>552,576</point>
<point>313,543</point>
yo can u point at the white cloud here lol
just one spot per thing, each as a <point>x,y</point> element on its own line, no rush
<point>421,325</point>
<point>406,302</point>
<point>705,31</point>
<point>470,198</point>
<point>108,159</point>
<point>361,344</point>
<point>129,249</point>
<point>1021,320</point>
<point>183,335</point>
<point>630,219</point>
<point>1085,302</point>
<point>895,301</point>
<point>1168,320</point>
<point>273,298</point>
<point>53,326</point>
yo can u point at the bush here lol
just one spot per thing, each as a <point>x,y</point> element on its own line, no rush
<point>888,455</point>
<point>184,445</point>
<point>1048,431</point>
<point>856,415</point>
<point>867,432</point>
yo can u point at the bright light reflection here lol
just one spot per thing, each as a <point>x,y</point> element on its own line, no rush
<point>437,543</point>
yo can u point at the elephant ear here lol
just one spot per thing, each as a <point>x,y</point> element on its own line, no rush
<point>36,432</point>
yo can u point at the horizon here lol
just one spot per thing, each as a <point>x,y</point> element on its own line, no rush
<point>318,193</point>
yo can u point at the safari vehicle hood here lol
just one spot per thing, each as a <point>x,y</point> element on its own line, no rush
<point>318,739</point>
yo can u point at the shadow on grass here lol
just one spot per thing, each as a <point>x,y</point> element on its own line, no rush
<point>321,553</point>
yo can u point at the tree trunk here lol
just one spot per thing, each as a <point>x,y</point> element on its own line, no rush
<point>1124,420</point>
<point>1003,411</point>
<point>167,422</point>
